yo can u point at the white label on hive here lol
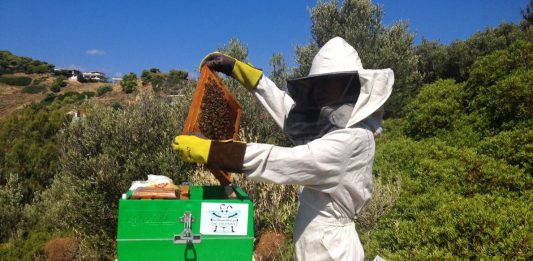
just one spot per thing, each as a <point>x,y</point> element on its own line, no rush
<point>224,219</point>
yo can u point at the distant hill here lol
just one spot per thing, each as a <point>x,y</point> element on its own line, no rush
<point>10,63</point>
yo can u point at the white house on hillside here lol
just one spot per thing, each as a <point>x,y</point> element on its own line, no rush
<point>96,76</point>
<point>71,74</point>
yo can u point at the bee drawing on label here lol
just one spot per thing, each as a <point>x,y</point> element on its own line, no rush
<point>224,218</point>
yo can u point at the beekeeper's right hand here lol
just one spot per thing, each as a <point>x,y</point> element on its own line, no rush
<point>244,73</point>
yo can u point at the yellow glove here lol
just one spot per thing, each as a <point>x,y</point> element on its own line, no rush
<point>246,74</point>
<point>192,149</point>
<point>225,155</point>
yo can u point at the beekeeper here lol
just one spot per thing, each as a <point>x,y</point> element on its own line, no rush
<point>331,116</point>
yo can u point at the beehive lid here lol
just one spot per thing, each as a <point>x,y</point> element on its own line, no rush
<point>210,86</point>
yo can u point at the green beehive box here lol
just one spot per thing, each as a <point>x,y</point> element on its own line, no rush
<point>205,227</point>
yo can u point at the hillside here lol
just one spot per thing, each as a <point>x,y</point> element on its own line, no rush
<point>13,98</point>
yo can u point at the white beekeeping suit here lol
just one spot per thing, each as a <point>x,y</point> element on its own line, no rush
<point>334,150</point>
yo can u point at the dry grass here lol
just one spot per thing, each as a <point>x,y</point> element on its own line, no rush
<point>12,98</point>
<point>61,249</point>
<point>383,199</point>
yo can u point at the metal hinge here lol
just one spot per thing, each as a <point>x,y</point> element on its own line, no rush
<point>186,236</point>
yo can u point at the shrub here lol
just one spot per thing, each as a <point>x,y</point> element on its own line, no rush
<point>515,147</point>
<point>55,88</point>
<point>29,150</point>
<point>507,102</point>
<point>442,225</point>
<point>16,81</point>
<point>58,83</point>
<point>454,203</point>
<point>455,60</point>
<point>33,89</point>
<point>116,106</point>
<point>175,75</point>
<point>129,83</point>
<point>88,95</point>
<point>499,86</point>
<point>11,203</point>
<point>489,69</point>
<point>49,97</point>
<point>435,109</point>
<point>103,89</point>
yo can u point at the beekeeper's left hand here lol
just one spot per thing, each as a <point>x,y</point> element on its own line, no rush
<point>244,73</point>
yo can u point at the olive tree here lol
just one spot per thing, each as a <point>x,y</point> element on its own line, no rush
<point>278,73</point>
<point>360,23</point>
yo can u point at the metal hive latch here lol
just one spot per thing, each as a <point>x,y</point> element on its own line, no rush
<point>186,236</point>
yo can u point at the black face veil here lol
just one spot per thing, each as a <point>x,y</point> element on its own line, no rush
<point>308,120</point>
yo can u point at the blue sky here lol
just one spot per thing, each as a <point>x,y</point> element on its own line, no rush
<point>128,36</point>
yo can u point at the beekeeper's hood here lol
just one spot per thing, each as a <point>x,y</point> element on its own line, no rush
<point>361,99</point>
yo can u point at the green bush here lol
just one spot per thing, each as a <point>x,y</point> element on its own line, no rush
<point>33,89</point>
<point>117,106</point>
<point>175,75</point>
<point>496,97</point>
<point>499,86</point>
<point>129,83</point>
<point>88,95</point>
<point>507,102</point>
<point>11,203</point>
<point>454,203</point>
<point>489,69</point>
<point>461,54</point>
<point>55,88</point>
<point>16,81</point>
<point>29,161</point>
<point>103,89</point>
<point>59,82</point>
<point>435,109</point>
<point>49,97</point>
<point>515,147</point>
<point>442,225</point>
